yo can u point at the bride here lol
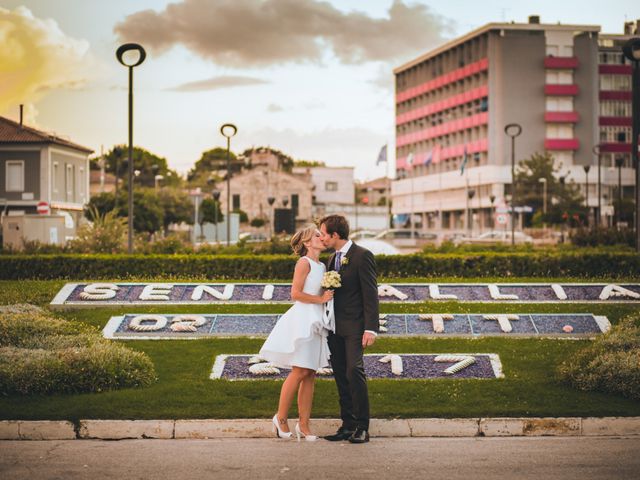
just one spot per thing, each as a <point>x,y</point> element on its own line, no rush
<point>298,340</point>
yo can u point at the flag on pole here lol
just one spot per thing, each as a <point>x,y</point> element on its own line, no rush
<point>382,156</point>
<point>410,160</point>
<point>464,161</point>
<point>428,158</point>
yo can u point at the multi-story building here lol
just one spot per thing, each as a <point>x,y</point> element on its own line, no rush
<point>453,103</point>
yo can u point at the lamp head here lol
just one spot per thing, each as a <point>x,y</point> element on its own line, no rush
<point>130,47</point>
<point>228,130</point>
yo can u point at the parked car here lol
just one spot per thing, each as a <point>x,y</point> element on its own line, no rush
<point>250,237</point>
<point>378,247</point>
<point>362,234</point>
<point>495,236</point>
<point>405,233</point>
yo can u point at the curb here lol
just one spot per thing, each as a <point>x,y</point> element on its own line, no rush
<point>261,428</point>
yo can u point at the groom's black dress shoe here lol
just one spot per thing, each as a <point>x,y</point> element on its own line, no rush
<point>359,436</point>
<point>343,433</point>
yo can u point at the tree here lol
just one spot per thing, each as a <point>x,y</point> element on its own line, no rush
<point>564,201</point>
<point>177,207</point>
<point>210,163</point>
<point>146,162</point>
<point>210,211</point>
<point>285,161</point>
<point>148,211</point>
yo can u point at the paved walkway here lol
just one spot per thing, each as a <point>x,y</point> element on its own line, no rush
<point>448,458</point>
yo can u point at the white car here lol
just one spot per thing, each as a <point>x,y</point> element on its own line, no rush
<point>495,236</point>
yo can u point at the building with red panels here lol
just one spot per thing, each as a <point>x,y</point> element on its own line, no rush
<point>453,103</point>
<point>614,113</point>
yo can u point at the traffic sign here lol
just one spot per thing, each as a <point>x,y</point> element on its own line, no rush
<point>43,208</point>
<point>502,219</point>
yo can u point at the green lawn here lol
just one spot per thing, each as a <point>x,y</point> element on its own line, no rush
<point>184,389</point>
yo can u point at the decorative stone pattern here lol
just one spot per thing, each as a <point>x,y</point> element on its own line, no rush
<point>407,366</point>
<point>87,294</point>
<point>198,326</point>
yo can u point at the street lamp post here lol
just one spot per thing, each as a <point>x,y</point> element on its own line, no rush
<point>619,163</point>
<point>492,198</point>
<point>216,197</point>
<point>596,152</point>
<point>470,194</point>
<point>631,50</point>
<point>513,130</point>
<point>228,130</point>
<point>271,201</point>
<point>586,189</point>
<point>120,55</point>
<point>564,215</point>
<point>543,181</point>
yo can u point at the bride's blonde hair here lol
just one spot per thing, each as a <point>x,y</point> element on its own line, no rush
<point>300,238</point>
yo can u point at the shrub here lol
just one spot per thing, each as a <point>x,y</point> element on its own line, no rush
<point>257,222</point>
<point>603,236</point>
<point>610,364</point>
<point>41,354</point>
<point>590,264</point>
<point>106,233</point>
<point>100,367</point>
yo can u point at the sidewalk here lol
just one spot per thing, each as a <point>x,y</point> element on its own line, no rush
<point>261,428</point>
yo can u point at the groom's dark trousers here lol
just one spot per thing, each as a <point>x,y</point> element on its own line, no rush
<point>356,310</point>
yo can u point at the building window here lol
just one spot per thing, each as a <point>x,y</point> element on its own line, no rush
<point>615,82</point>
<point>331,186</point>
<point>69,183</point>
<point>54,177</point>
<point>295,203</point>
<point>236,202</point>
<point>14,171</point>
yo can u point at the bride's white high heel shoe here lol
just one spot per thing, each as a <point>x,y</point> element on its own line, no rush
<point>308,438</point>
<point>276,428</point>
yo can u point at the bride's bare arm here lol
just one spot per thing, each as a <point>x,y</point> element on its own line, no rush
<point>299,276</point>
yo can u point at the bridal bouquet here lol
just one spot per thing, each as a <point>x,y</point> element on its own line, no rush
<point>330,281</point>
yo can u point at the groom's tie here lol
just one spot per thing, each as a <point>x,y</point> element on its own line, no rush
<point>338,258</point>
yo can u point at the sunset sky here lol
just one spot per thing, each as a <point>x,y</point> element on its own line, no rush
<point>310,78</point>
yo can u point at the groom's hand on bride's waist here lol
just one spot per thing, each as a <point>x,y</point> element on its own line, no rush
<point>368,339</point>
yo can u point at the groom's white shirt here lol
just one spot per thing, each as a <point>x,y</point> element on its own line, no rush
<point>345,248</point>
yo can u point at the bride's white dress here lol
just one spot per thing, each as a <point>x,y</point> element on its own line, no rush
<point>299,339</point>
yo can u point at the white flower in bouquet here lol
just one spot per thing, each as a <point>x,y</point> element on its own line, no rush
<point>331,280</point>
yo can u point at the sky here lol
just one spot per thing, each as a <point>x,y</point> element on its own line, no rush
<point>310,78</point>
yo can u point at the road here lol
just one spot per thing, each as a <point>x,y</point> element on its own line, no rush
<point>447,458</point>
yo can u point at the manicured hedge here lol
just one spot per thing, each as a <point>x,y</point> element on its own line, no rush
<point>42,354</point>
<point>522,264</point>
<point>611,364</point>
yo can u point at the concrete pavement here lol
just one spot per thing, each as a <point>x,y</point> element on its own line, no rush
<point>537,458</point>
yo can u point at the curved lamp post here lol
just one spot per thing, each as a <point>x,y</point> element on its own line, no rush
<point>513,130</point>
<point>631,50</point>
<point>120,55</point>
<point>586,189</point>
<point>228,130</point>
<point>596,152</point>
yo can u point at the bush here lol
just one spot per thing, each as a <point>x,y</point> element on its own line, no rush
<point>257,222</point>
<point>106,233</point>
<point>610,364</point>
<point>603,236</point>
<point>41,354</point>
<point>606,264</point>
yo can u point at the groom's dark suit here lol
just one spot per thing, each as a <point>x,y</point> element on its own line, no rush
<point>356,310</point>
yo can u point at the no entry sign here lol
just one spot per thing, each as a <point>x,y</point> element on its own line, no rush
<point>43,208</point>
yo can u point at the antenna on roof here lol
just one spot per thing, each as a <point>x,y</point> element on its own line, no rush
<point>21,114</point>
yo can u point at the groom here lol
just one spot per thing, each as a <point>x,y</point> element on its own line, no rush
<point>357,324</point>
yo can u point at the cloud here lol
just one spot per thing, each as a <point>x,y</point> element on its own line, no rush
<point>215,83</point>
<point>273,108</point>
<point>245,33</point>
<point>37,57</point>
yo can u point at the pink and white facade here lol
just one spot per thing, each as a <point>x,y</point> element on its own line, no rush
<point>459,97</point>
